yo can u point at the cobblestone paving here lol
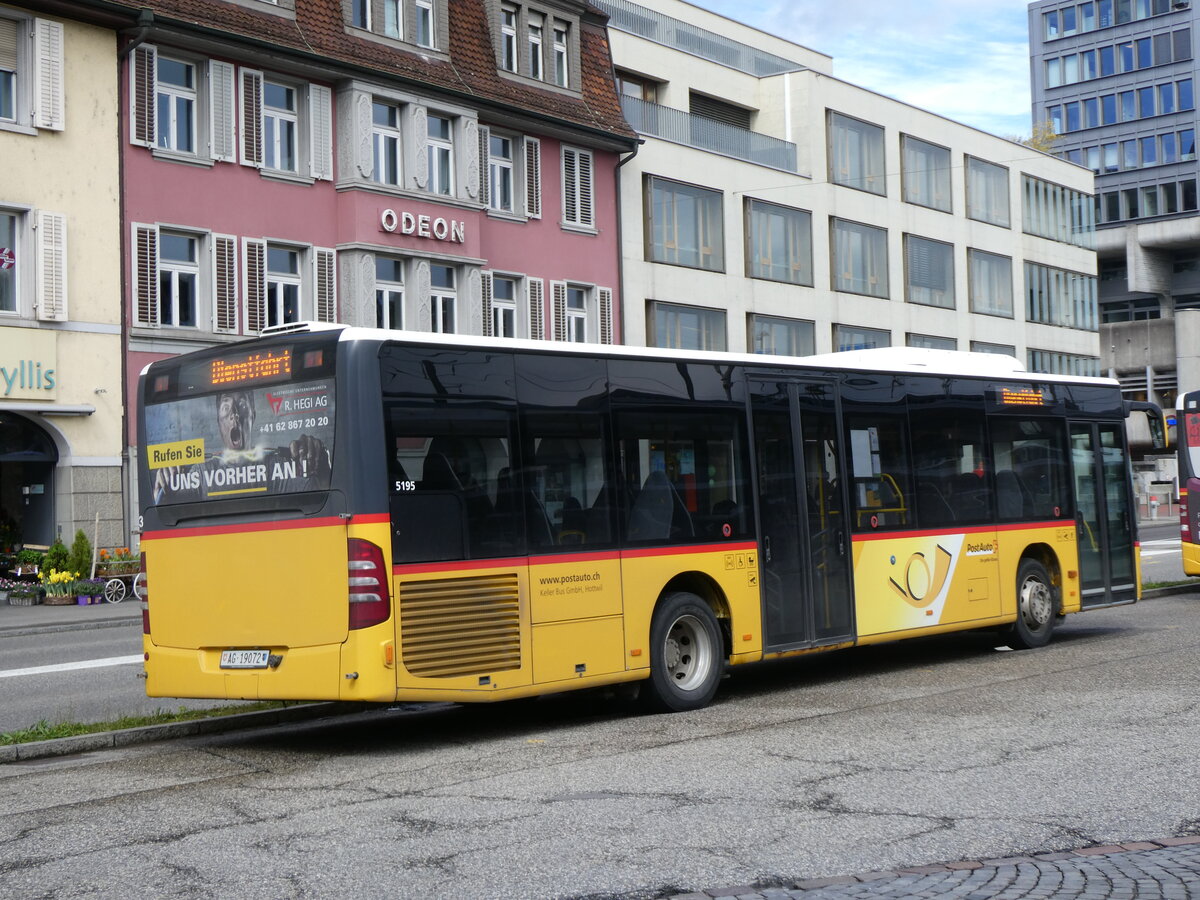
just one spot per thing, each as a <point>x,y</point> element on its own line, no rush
<point>1168,868</point>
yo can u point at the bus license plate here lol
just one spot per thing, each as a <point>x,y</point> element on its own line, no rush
<point>244,659</point>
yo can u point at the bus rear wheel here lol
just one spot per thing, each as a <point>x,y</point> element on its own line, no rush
<point>686,659</point>
<point>1036,607</point>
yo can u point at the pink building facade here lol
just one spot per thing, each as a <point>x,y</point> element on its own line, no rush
<point>443,167</point>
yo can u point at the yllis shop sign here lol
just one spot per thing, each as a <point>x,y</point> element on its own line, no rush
<point>423,226</point>
<point>28,364</point>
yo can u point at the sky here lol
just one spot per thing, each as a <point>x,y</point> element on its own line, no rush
<point>967,60</point>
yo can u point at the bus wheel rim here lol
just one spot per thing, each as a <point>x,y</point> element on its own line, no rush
<point>687,653</point>
<point>1036,605</point>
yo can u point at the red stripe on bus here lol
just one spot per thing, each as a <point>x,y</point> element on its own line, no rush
<point>979,529</point>
<point>565,558</point>
<point>278,525</point>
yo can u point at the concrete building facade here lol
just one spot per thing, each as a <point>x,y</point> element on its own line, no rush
<point>1116,80</point>
<point>775,208</point>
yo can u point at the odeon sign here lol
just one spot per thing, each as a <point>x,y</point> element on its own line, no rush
<point>423,226</point>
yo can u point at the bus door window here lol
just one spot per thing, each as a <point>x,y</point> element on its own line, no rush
<point>448,474</point>
<point>1030,460</point>
<point>685,474</point>
<point>882,492</point>
<point>950,467</point>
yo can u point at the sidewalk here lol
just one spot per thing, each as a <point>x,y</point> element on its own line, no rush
<point>41,619</point>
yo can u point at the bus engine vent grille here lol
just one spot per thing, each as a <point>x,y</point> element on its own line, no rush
<point>461,626</point>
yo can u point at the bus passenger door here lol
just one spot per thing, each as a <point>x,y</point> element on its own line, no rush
<point>804,551</point>
<point>1103,514</point>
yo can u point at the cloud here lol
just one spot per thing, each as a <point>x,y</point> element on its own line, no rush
<point>966,61</point>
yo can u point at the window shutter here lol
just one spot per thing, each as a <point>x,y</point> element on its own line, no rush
<point>537,310</point>
<point>222,139</point>
<point>558,304</point>
<point>485,171</point>
<point>225,318</point>
<point>145,248</point>
<point>254,268</point>
<point>51,242</point>
<point>607,328</point>
<point>320,109</point>
<point>143,70</point>
<point>570,185</point>
<point>586,216</point>
<point>325,284</point>
<point>533,178</point>
<point>471,143</point>
<point>251,116</point>
<point>48,76</point>
<point>485,302</point>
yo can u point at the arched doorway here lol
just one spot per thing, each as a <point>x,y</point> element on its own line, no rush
<point>27,461</point>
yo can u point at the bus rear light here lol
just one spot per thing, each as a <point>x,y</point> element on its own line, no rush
<point>367,580</point>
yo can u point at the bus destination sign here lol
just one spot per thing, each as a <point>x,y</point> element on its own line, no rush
<point>264,365</point>
<point>1021,396</point>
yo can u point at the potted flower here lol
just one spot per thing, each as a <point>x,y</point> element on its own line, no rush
<point>90,588</point>
<point>117,561</point>
<point>24,593</point>
<point>28,562</point>
<point>60,587</point>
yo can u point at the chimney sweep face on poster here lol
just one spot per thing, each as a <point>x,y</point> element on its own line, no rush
<point>235,419</point>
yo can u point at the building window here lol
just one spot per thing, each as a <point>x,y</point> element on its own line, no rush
<point>990,283</point>
<point>576,314</point>
<point>10,258</point>
<point>360,14</point>
<point>504,306</point>
<point>9,44</point>
<point>686,327</point>
<point>425,23</point>
<point>443,299</point>
<point>856,156</point>
<point>1059,297</point>
<point>393,19</point>
<point>385,142</point>
<point>280,123</point>
<point>987,192</point>
<point>929,271</point>
<point>779,243</point>
<point>31,61</point>
<point>561,70</point>
<point>508,38</point>
<point>998,349</point>
<point>1059,213</point>
<point>630,85</point>
<point>859,258</point>
<point>176,105</point>
<point>389,292</point>
<point>283,285</point>
<point>851,337</point>
<point>926,169</point>
<point>775,336</point>
<point>1054,363</point>
<point>500,173</point>
<point>441,155</point>
<point>577,188</point>
<point>178,279</point>
<point>536,26</point>
<point>686,226</point>
<point>930,342</point>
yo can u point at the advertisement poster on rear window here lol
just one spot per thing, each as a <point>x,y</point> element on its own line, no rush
<point>241,443</point>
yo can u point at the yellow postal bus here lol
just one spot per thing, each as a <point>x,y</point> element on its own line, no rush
<point>350,514</point>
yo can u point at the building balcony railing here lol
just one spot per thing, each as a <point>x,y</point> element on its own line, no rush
<point>670,32</point>
<point>708,134</point>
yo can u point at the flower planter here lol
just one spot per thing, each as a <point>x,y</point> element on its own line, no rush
<point>59,600</point>
<point>15,599</point>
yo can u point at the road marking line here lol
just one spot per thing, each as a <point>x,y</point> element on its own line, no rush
<point>72,666</point>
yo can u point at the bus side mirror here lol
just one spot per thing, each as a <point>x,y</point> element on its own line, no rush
<point>1154,418</point>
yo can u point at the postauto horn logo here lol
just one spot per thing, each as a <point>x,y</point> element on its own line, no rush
<point>921,585</point>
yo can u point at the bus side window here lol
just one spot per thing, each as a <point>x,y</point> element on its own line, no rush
<point>881,492</point>
<point>1032,481</point>
<point>566,479</point>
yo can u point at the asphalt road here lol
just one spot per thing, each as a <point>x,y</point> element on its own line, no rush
<point>876,758</point>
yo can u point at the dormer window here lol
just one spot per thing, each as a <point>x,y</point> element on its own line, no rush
<point>536,43</point>
<point>421,23</point>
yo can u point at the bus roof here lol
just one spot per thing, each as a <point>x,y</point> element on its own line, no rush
<point>916,360</point>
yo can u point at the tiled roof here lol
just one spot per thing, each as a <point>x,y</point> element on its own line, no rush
<point>318,30</point>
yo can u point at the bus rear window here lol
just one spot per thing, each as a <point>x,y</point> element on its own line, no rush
<point>241,442</point>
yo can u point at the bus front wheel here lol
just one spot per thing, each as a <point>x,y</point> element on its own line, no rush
<point>686,659</point>
<point>1036,608</point>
